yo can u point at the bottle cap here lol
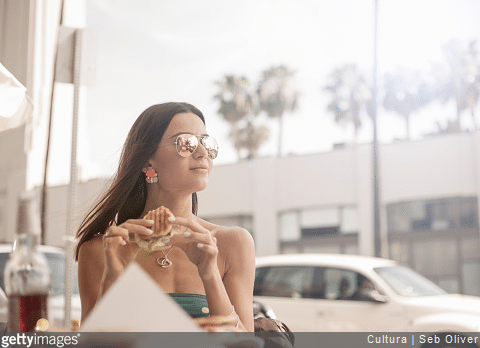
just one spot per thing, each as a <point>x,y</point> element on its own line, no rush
<point>28,219</point>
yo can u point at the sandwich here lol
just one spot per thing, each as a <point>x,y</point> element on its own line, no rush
<point>162,230</point>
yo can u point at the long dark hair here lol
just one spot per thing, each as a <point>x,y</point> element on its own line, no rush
<point>126,196</point>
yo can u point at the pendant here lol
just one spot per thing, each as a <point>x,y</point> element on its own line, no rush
<point>164,262</point>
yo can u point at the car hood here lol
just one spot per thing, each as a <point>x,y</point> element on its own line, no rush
<point>449,302</point>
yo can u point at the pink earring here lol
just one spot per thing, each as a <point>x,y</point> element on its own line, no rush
<point>151,176</point>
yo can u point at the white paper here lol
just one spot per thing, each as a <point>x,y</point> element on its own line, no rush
<point>136,303</point>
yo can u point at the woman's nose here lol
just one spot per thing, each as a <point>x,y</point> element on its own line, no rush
<point>201,151</point>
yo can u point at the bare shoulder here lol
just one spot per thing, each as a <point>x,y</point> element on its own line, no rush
<point>232,241</point>
<point>237,250</point>
<point>91,250</point>
<point>233,235</point>
<point>91,263</point>
<point>228,234</point>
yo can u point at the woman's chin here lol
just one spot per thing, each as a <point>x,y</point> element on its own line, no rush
<point>202,187</point>
<point>198,186</point>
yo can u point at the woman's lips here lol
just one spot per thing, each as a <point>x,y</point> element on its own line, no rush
<point>201,169</point>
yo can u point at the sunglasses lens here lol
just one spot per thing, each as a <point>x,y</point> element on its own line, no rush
<point>186,144</point>
<point>211,146</point>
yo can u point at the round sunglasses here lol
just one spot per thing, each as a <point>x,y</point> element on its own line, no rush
<point>186,144</point>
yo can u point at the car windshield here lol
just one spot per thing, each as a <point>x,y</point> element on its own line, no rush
<point>408,283</point>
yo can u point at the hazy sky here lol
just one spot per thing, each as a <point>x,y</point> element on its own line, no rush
<point>156,51</point>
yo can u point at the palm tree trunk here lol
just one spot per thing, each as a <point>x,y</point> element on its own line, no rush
<point>280,135</point>
<point>473,119</point>
<point>458,115</point>
<point>407,124</point>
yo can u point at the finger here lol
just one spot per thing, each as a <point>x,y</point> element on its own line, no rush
<point>123,231</point>
<point>179,229</point>
<point>115,231</point>
<point>142,222</point>
<point>134,228</point>
<point>112,242</point>
<point>209,249</point>
<point>195,237</point>
<point>138,226</point>
<point>189,223</point>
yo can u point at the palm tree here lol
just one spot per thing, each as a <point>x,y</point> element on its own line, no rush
<point>473,79</point>
<point>450,128</point>
<point>277,95</point>
<point>249,138</point>
<point>406,91</point>
<point>236,101</point>
<point>239,107</point>
<point>350,94</point>
<point>461,80</point>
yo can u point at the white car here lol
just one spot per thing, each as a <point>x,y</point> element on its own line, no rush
<point>56,261</point>
<point>320,292</point>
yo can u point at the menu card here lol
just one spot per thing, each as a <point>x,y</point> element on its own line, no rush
<point>136,303</point>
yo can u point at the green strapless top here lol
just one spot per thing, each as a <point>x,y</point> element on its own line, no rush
<point>196,305</point>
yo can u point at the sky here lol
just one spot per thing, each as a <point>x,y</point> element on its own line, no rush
<point>150,52</point>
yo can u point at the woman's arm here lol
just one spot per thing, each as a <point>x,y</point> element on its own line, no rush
<point>205,247</point>
<point>91,266</point>
<point>238,280</point>
<point>102,260</point>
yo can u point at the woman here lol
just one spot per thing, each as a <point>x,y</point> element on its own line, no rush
<point>161,166</point>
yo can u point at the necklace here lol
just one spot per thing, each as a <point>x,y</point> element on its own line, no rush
<point>164,262</point>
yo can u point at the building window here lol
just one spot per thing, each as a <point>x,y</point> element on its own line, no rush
<point>436,258</point>
<point>470,248</point>
<point>399,251</point>
<point>449,284</point>
<point>289,227</point>
<point>349,220</point>
<point>439,239</point>
<point>324,249</point>
<point>432,215</point>
<point>471,278</point>
<point>319,222</point>
<point>468,213</point>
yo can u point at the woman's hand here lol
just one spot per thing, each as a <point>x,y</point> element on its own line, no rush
<point>120,251</point>
<point>198,243</point>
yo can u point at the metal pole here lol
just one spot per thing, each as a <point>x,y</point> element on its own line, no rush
<point>70,233</point>
<point>49,136</point>
<point>376,180</point>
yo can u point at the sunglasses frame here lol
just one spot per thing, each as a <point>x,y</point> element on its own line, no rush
<point>200,140</point>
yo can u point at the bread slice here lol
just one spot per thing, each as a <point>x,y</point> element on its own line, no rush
<point>162,230</point>
<point>162,225</point>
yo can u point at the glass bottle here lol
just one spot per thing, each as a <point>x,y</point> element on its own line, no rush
<point>27,274</point>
